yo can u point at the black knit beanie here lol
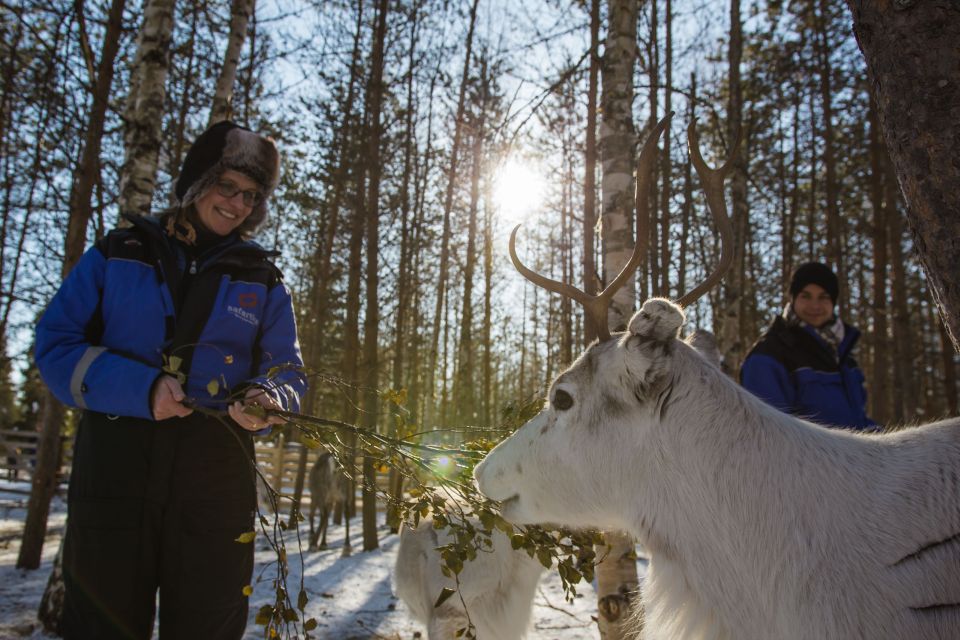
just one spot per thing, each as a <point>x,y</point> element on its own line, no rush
<point>226,145</point>
<point>815,273</point>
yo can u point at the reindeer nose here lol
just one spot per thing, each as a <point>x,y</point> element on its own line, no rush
<point>486,476</point>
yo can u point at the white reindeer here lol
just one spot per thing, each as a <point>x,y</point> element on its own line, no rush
<point>759,525</point>
<point>497,587</point>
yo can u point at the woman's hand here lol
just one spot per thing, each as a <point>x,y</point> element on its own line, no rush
<point>166,399</point>
<point>250,422</point>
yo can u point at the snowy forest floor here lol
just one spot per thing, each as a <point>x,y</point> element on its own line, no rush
<point>351,598</point>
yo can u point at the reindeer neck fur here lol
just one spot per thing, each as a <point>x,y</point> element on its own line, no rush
<point>752,506</point>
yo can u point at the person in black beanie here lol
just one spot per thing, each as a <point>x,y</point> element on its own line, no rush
<point>803,363</point>
<point>164,333</point>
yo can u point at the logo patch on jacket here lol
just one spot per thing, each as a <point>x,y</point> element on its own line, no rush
<point>243,314</point>
<point>247,300</point>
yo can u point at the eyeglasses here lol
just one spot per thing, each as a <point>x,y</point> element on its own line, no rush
<point>251,197</point>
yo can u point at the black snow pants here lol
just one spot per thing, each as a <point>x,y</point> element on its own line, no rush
<point>158,505</point>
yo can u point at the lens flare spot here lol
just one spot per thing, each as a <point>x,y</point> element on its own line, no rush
<point>443,466</point>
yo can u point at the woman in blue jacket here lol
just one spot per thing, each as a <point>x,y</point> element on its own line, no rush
<point>159,323</point>
<point>803,363</point>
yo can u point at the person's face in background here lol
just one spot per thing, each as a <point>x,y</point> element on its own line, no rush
<point>813,305</point>
<point>220,213</point>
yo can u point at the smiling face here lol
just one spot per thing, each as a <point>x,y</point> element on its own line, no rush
<point>813,305</point>
<point>221,214</point>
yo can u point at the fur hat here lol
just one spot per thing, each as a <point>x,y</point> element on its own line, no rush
<point>815,273</point>
<point>226,145</point>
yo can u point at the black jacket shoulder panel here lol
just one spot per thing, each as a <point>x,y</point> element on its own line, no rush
<point>251,265</point>
<point>127,243</point>
<point>794,348</point>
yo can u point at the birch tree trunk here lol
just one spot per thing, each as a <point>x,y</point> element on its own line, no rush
<point>687,210</point>
<point>913,64</point>
<point>50,611</point>
<point>617,574</point>
<point>590,171</point>
<point>86,175</point>
<point>666,161</point>
<point>616,144</point>
<point>734,286</point>
<point>144,108</point>
<point>251,71</point>
<point>650,273</point>
<point>222,109</point>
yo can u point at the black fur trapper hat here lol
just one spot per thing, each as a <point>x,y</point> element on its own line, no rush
<point>227,145</point>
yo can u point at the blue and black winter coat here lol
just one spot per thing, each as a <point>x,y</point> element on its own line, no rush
<point>137,301</point>
<point>793,369</point>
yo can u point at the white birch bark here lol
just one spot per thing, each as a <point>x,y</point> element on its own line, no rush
<point>144,108</point>
<point>617,574</point>
<point>617,143</point>
<point>240,12</point>
<point>732,315</point>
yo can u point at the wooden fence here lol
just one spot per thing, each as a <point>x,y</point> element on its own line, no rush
<point>18,455</point>
<point>278,464</point>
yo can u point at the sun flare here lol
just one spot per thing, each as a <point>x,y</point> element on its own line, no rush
<point>518,190</point>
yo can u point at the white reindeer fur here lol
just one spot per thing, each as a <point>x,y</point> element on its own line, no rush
<point>498,586</point>
<point>759,525</point>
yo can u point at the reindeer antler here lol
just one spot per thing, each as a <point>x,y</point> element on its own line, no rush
<point>712,181</point>
<point>596,307</point>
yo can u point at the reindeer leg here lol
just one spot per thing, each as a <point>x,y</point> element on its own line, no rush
<point>324,518</point>
<point>313,536</point>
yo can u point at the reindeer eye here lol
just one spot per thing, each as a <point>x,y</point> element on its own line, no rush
<point>562,400</point>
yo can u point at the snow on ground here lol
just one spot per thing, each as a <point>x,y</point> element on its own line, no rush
<point>351,598</point>
<point>20,591</point>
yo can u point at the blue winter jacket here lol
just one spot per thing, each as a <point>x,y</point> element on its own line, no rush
<point>793,369</point>
<point>133,304</point>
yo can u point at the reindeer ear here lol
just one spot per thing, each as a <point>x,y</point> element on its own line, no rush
<point>651,338</point>
<point>658,320</point>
